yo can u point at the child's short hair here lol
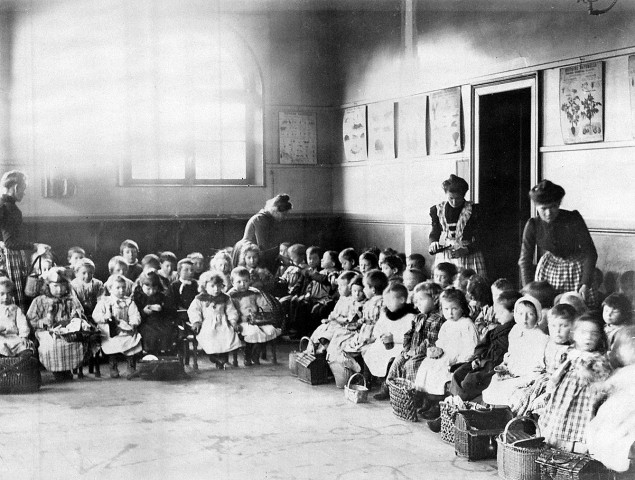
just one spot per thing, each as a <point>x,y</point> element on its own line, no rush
<point>507,299</point>
<point>151,260</point>
<point>419,275</point>
<point>210,277</point>
<point>376,280</point>
<point>622,353</point>
<point>285,244</point>
<point>387,252</point>
<point>248,248</point>
<point>357,281</point>
<point>479,289</point>
<point>349,254</point>
<point>446,267</point>
<point>455,295</point>
<point>603,341</point>
<point>239,272</point>
<point>418,260</point>
<point>195,256</point>
<point>627,280</point>
<point>221,255</point>
<point>541,291</point>
<point>117,261</point>
<point>73,250</point>
<point>348,276</point>
<point>398,290</point>
<point>620,302</point>
<point>574,299</point>
<point>503,285</point>
<point>151,279</point>
<point>563,310</point>
<point>7,283</point>
<point>115,279</point>
<point>167,257</point>
<point>598,277</point>
<point>184,261</point>
<point>298,250</point>
<point>128,244</point>
<point>313,250</point>
<point>371,258</point>
<point>333,256</point>
<point>374,250</point>
<point>430,288</point>
<point>463,277</point>
<point>86,263</point>
<point>394,262</point>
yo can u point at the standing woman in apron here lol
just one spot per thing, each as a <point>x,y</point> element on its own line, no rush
<point>454,234</point>
<point>566,251</point>
<point>15,251</point>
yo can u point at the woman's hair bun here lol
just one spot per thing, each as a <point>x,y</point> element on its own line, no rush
<point>281,202</point>
<point>546,192</point>
<point>455,184</point>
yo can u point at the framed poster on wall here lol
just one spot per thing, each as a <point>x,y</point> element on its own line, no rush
<point>445,121</point>
<point>411,127</point>
<point>582,103</point>
<point>298,137</point>
<point>354,134</point>
<point>381,131</point>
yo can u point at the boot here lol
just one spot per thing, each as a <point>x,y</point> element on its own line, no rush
<point>114,369</point>
<point>235,358</point>
<point>255,354</point>
<point>247,354</point>
<point>383,394</point>
<point>132,364</point>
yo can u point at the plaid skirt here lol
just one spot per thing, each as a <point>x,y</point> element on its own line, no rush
<point>406,368</point>
<point>475,261</point>
<point>17,265</point>
<point>564,275</point>
<point>58,355</point>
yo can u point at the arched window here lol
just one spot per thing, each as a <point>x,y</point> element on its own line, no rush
<point>194,108</point>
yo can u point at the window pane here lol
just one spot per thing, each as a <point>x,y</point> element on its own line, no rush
<point>234,160</point>
<point>207,160</point>
<point>233,121</point>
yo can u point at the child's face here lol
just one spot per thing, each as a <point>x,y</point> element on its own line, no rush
<point>369,292</point>
<point>166,268</point>
<point>283,250</point>
<point>47,265</point>
<point>118,270</point>
<point>220,265</point>
<point>393,302</point>
<point>389,272</point>
<point>214,289</point>
<point>118,289</point>
<point>75,257</point>
<point>149,290</point>
<point>525,315</point>
<point>441,278</point>
<point>251,260</point>
<point>495,292</point>
<point>198,264</point>
<point>451,310</point>
<point>186,271</point>
<point>410,263</point>
<point>346,264</point>
<point>129,254</point>
<point>240,283</point>
<point>502,314</point>
<point>357,292</point>
<point>586,336</point>
<point>365,265</point>
<point>84,274</point>
<point>473,302</point>
<point>409,280</point>
<point>559,329</point>
<point>423,302</point>
<point>343,288</point>
<point>382,258</point>
<point>295,258</point>
<point>612,316</point>
<point>6,295</point>
<point>313,261</point>
<point>327,261</point>
<point>58,289</point>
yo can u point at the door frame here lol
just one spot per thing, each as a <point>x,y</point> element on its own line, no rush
<point>504,85</point>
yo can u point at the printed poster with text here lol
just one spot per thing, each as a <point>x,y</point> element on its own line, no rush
<point>354,134</point>
<point>298,137</point>
<point>445,121</point>
<point>582,103</point>
<point>381,131</point>
<point>411,127</point>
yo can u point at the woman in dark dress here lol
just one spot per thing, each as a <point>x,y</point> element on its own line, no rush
<point>15,253</point>
<point>260,228</point>
<point>455,226</point>
<point>566,251</point>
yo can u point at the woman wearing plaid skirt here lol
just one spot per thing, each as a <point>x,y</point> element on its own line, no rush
<point>566,251</point>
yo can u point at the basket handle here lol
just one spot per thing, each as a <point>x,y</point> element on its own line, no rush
<point>309,342</point>
<point>37,259</point>
<point>353,376</point>
<point>517,419</point>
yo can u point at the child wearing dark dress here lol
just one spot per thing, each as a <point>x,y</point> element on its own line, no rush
<point>185,289</point>
<point>129,250</point>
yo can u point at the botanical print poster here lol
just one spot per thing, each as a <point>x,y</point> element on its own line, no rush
<point>445,121</point>
<point>582,103</point>
<point>411,127</point>
<point>631,85</point>
<point>354,133</point>
<point>381,131</point>
<point>298,137</point>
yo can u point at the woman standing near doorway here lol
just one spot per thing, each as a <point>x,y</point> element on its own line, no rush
<point>566,251</point>
<point>15,252</point>
<point>454,234</point>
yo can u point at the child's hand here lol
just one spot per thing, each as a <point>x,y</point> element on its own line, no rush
<point>148,309</point>
<point>196,327</point>
<point>476,364</point>
<point>326,320</point>
<point>559,373</point>
<point>434,352</point>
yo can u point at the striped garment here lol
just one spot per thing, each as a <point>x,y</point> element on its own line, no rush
<point>18,266</point>
<point>564,274</point>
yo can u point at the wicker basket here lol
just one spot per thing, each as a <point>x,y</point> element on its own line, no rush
<point>312,368</point>
<point>293,357</point>
<point>559,465</point>
<point>19,375</point>
<point>476,431</point>
<point>354,392</point>
<point>341,373</point>
<point>515,462</point>
<point>165,368</point>
<point>402,398</point>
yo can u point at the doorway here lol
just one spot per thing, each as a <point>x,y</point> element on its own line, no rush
<point>505,168</point>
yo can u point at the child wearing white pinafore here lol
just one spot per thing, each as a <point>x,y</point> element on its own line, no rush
<point>14,327</point>
<point>524,360</point>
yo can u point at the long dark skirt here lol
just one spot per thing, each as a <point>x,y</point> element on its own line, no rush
<point>17,265</point>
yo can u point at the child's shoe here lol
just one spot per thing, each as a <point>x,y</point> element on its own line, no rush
<point>255,354</point>
<point>114,369</point>
<point>435,425</point>
<point>432,413</point>
<point>383,394</point>
<point>132,365</point>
